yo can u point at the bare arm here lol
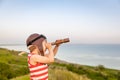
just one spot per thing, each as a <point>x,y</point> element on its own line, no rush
<point>55,50</point>
<point>44,59</point>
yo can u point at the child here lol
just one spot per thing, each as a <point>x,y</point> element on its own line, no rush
<point>37,58</point>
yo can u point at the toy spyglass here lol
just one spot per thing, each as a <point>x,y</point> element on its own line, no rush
<point>60,41</point>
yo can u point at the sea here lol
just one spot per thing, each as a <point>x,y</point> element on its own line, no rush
<point>107,55</point>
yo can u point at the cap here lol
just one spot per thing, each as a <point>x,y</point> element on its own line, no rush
<point>36,39</point>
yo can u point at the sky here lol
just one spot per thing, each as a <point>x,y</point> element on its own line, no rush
<point>83,21</point>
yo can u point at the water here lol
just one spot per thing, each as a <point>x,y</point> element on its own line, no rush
<point>107,55</point>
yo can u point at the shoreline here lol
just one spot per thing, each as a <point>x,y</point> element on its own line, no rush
<point>66,62</point>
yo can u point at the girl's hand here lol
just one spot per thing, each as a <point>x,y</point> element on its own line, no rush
<point>57,45</point>
<point>48,46</point>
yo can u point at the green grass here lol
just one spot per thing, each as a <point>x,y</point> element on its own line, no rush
<point>94,73</point>
<point>12,65</point>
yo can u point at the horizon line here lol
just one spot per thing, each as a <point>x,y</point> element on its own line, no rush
<point>20,44</point>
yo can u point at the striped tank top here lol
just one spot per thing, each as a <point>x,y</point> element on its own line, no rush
<point>38,71</point>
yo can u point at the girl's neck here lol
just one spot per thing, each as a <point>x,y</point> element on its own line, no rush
<point>34,52</point>
<point>37,52</point>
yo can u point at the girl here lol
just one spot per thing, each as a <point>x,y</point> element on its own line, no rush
<point>37,58</point>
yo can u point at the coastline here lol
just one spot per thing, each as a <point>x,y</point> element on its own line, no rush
<point>66,62</point>
<point>61,67</point>
<point>59,60</point>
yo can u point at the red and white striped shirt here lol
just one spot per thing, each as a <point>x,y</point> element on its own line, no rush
<point>38,71</point>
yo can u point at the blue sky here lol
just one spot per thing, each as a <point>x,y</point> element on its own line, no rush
<point>83,21</point>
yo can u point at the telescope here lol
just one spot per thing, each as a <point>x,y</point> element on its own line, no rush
<point>60,41</point>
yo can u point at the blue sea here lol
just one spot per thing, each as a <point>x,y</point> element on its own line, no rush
<point>107,55</point>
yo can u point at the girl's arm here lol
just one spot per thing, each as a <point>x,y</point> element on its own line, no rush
<point>44,59</point>
<point>55,50</point>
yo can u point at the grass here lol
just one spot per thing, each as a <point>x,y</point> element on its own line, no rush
<point>94,73</point>
<point>12,65</point>
<point>58,74</point>
<point>25,77</point>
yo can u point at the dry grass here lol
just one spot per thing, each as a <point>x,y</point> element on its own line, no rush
<point>58,74</point>
<point>25,77</point>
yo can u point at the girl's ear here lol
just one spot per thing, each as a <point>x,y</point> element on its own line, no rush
<point>32,47</point>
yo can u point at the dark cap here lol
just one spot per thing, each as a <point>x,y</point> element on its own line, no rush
<point>36,39</point>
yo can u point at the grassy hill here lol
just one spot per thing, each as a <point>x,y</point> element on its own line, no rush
<point>14,67</point>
